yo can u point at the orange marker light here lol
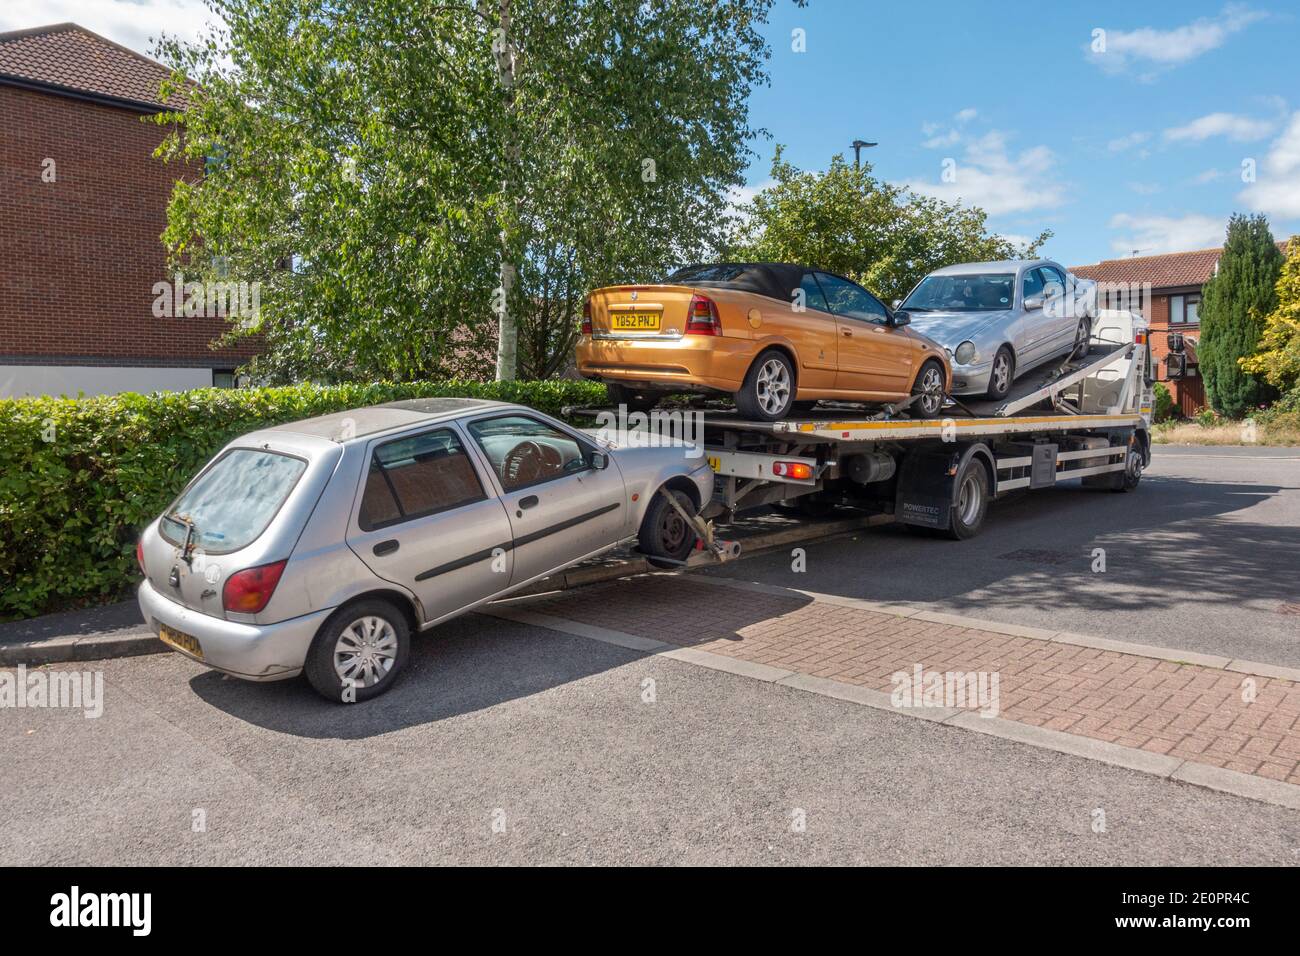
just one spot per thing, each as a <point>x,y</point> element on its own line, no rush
<point>792,469</point>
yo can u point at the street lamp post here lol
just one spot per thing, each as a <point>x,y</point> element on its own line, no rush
<point>858,147</point>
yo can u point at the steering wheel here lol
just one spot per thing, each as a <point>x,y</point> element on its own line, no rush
<point>528,461</point>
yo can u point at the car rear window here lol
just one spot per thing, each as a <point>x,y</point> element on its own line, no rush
<point>417,476</point>
<point>231,503</point>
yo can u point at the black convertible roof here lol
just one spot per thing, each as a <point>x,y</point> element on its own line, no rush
<point>776,280</point>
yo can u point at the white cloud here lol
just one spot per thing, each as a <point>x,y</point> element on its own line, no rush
<point>997,182</point>
<point>134,24</point>
<point>1127,142</point>
<point>950,138</point>
<point>1153,235</point>
<point>1209,176</point>
<point>1276,189</point>
<point>1169,48</point>
<point>1145,189</point>
<point>966,115</point>
<point>1235,127</point>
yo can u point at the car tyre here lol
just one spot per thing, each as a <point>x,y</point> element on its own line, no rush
<point>1001,374</point>
<point>374,635</point>
<point>767,393</point>
<point>635,401</point>
<point>1082,341</point>
<point>665,538</point>
<point>929,385</point>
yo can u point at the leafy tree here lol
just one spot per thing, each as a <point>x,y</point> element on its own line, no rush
<point>1278,359</point>
<point>406,177</point>
<point>846,221</point>
<point>1233,305</point>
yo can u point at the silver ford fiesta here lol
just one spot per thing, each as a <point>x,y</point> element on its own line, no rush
<point>324,545</point>
<point>998,320</point>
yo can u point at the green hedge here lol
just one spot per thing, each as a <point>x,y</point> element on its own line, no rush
<point>79,478</point>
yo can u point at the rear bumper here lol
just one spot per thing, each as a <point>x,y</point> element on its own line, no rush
<point>261,652</point>
<point>700,361</point>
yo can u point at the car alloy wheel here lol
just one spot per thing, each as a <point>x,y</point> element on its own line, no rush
<point>930,388</point>
<point>365,651</point>
<point>1000,377</point>
<point>773,386</point>
<point>1082,335</point>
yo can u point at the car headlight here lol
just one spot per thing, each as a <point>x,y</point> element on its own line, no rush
<point>965,353</point>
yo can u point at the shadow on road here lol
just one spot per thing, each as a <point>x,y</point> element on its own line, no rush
<point>1173,541</point>
<point>466,665</point>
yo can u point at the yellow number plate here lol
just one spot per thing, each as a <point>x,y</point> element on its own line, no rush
<point>715,463</point>
<point>636,321</point>
<point>182,642</point>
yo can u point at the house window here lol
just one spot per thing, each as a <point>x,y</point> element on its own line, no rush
<point>223,378</point>
<point>1185,309</point>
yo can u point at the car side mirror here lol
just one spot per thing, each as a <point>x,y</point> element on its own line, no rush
<point>599,461</point>
<point>1033,302</point>
<point>900,319</point>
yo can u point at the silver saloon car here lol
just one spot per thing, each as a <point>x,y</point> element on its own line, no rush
<point>324,545</point>
<point>998,320</point>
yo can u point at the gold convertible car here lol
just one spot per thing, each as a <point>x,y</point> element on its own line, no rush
<point>777,337</point>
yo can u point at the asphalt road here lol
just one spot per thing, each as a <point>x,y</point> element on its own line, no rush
<point>1203,556</point>
<point>550,736</point>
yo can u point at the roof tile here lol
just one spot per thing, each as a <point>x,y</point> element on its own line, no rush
<point>70,57</point>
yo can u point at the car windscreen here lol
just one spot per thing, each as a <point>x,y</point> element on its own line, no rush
<point>982,292</point>
<point>231,503</point>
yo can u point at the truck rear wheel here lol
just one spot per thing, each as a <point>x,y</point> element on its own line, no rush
<point>966,516</point>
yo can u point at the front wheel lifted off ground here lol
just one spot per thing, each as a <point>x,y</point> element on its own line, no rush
<point>666,538</point>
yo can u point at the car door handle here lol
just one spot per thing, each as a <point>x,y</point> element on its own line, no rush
<point>847,333</point>
<point>386,547</point>
<point>529,502</point>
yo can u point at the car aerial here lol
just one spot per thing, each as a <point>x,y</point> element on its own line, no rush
<point>775,336</point>
<point>999,320</point>
<point>324,545</point>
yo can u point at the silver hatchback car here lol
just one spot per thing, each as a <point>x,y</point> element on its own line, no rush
<point>324,545</point>
<point>999,320</point>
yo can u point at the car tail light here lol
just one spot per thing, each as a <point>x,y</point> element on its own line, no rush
<point>248,591</point>
<point>702,317</point>
<point>792,469</point>
<point>139,554</point>
<point>586,317</point>
<point>1140,338</point>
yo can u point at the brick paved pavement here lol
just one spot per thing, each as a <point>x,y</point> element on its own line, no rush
<point>1184,710</point>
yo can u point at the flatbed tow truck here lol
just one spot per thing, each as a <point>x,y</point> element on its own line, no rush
<point>1088,417</point>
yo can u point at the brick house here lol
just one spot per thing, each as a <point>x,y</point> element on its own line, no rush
<point>84,205</point>
<point>1167,291</point>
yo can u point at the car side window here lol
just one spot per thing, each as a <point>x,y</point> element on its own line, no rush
<point>524,451</point>
<point>851,300</point>
<point>812,293</point>
<point>1053,282</point>
<point>418,476</point>
<point>1032,284</point>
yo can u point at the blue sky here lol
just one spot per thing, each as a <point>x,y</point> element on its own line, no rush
<point>1139,146</point>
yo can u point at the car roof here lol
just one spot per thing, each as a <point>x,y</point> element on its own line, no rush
<point>1004,265</point>
<point>776,280</point>
<point>356,423</point>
